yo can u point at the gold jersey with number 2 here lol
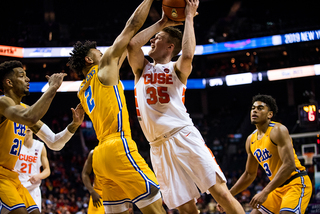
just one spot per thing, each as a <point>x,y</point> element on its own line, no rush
<point>105,105</point>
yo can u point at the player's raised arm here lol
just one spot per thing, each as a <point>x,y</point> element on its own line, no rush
<point>112,57</point>
<point>184,63</point>
<point>15,85</point>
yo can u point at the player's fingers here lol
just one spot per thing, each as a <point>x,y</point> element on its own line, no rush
<point>63,74</point>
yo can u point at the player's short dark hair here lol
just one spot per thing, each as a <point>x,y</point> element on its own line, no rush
<point>175,37</point>
<point>6,68</point>
<point>267,99</point>
<point>79,52</point>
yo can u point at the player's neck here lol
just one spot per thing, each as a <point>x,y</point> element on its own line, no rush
<point>162,60</point>
<point>262,128</point>
<point>86,70</point>
<point>28,142</point>
<point>16,98</point>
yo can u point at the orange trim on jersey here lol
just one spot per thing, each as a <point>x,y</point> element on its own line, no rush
<point>213,156</point>
<point>138,112</point>
<point>136,102</point>
<point>209,150</point>
<point>184,95</point>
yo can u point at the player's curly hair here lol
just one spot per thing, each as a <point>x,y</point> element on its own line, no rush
<point>175,37</point>
<point>79,52</point>
<point>267,99</point>
<point>6,68</point>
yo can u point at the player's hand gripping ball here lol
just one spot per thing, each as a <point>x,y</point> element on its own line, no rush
<point>174,9</point>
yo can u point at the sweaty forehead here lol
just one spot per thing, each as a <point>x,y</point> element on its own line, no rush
<point>19,70</point>
<point>161,34</point>
<point>259,103</point>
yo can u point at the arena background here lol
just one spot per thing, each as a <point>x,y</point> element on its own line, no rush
<point>220,112</point>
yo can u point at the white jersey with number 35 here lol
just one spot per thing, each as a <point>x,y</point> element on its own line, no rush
<point>29,163</point>
<point>159,96</point>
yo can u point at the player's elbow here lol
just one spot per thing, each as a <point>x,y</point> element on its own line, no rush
<point>30,119</point>
<point>84,175</point>
<point>131,46</point>
<point>250,176</point>
<point>48,172</point>
<point>54,146</point>
<point>291,167</point>
<point>187,56</point>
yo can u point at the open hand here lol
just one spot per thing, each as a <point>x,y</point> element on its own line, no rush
<point>55,80</point>
<point>78,114</point>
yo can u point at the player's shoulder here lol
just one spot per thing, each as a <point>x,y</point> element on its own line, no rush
<point>279,131</point>
<point>248,140</point>
<point>5,102</point>
<point>5,99</point>
<point>277,127</point>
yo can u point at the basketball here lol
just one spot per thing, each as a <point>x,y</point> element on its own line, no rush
<point>174,9</point>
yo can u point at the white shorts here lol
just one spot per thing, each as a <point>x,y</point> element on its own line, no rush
<point>36,195</point>
<point>182,162</point>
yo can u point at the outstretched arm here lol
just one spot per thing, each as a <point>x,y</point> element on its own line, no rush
<point>135,53</point>
<point>86,171</point>
<point>57,141</point>
<point>30,116</point>
<point>249,174</point>
<point>184,63</point>
<point>108,68</point>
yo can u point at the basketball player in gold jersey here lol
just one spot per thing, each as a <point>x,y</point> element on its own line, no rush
<point>124,174</point>
<point>14,117</point>
<point>270,145</point>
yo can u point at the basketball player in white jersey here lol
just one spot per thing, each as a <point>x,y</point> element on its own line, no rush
<point>179,155</point>
<point>33,155</point>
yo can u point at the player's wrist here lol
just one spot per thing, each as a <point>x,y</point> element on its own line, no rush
<point>73,126</point>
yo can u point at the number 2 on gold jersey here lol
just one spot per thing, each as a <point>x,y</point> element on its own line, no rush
<point>89,99</point>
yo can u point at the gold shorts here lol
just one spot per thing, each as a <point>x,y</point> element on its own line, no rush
<point>13,194</point>
<point>291,197</point>
<point>95,210</point>
<point>121,169</point>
